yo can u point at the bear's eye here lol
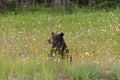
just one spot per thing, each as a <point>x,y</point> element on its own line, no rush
<point>53,37</point>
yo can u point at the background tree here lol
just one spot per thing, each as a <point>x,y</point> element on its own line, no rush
<point>2,6</point>
<point>13,5</point>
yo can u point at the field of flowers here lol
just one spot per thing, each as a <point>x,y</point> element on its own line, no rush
<point>93,40</point>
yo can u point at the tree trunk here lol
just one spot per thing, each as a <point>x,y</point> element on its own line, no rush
<point>61,3</point>
<point>2,6</point>
<point>33,2</point>
<point>22,4</point>
<point>57,3</point>
<point>16,1</point>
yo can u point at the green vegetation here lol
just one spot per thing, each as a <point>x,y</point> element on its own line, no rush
<point>92,38</point>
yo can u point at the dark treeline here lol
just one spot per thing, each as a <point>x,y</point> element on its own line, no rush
<point>14,5</point>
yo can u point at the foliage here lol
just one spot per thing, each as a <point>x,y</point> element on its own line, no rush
<point>68,7</point>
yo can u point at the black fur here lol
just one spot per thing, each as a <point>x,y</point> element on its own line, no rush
<point>58,45</point>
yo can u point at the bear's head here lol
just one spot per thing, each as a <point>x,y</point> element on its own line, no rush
<point>56,38</point>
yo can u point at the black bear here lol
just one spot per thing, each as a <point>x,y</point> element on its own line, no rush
<point>58,45</point>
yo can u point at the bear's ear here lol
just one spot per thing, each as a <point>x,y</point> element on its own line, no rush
<point>52,33</point>
<point>61,34</point>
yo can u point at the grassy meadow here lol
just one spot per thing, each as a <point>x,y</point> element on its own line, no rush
<point>93,39</point>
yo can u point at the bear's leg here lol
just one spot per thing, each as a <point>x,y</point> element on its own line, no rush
<point>51,53</point>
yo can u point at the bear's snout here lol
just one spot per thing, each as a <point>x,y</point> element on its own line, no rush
<point>48,40</point>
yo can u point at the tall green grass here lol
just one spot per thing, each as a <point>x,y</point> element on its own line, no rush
<point>79,71</point>
<point>27,69</point>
